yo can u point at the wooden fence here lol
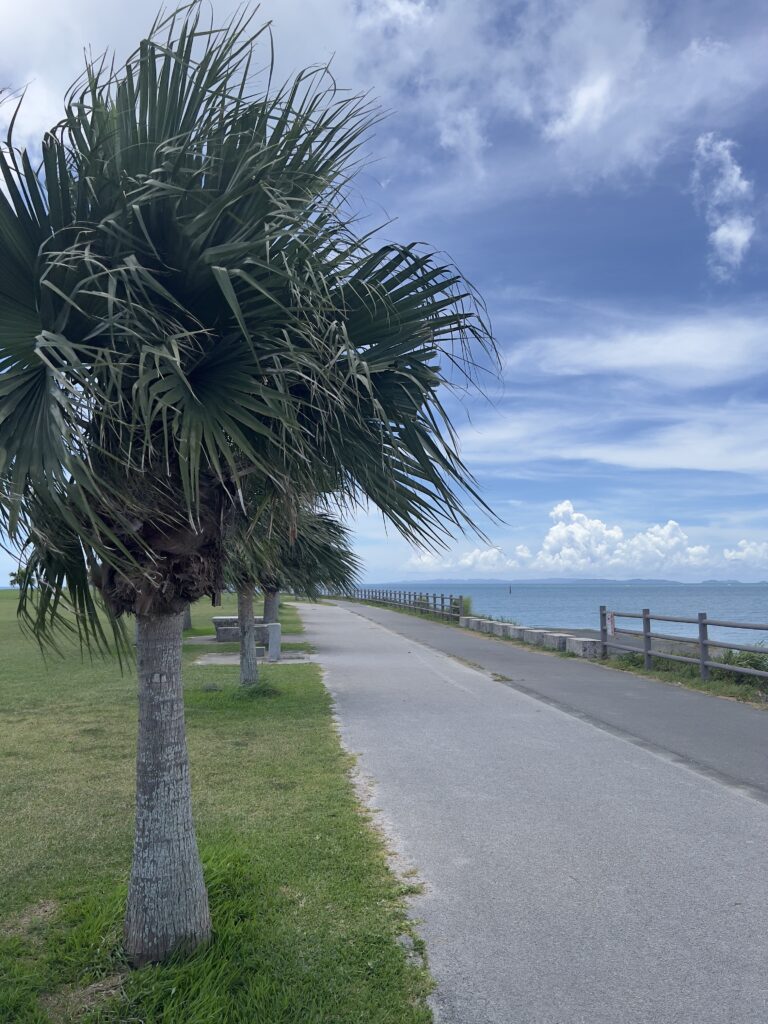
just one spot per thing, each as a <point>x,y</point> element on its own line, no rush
<point>445,606</point>
<point>701,643</point>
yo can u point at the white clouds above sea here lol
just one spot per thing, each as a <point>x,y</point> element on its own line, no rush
<point>578,544</point>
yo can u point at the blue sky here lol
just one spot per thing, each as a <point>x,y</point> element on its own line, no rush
<point>598,170</point>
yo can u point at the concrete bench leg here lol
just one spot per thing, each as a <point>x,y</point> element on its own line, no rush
<point>273,643</point>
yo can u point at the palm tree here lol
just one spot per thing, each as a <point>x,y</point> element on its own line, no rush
<point>186,305</point>
<point>309,552</point>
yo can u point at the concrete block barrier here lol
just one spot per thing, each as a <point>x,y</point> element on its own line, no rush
<point>583,647</point>
<point>555,641</point>
<point>534,636</point>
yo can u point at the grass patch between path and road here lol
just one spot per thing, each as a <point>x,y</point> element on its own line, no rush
<point>310,925</point>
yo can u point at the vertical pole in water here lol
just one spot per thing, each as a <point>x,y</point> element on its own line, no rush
<point>703,646</point>
<point>647,660</point>
<point>603,632</point>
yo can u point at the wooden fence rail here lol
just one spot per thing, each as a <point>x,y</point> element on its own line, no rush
<point>445,606</point>
<point>703,642</point>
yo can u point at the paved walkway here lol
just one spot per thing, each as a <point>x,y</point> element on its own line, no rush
<point>572,877</point>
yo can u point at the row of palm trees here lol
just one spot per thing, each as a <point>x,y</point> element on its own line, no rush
<point>199,348</point>
<point>310,554</point>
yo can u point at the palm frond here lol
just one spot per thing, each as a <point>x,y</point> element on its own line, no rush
<point>189,306</point>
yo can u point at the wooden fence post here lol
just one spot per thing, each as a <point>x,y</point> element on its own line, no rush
<point>703,646</point>
<point>647,660</point>
<point>604,631</point>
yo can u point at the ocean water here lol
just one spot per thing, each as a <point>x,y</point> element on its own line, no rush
<point>576,606</point>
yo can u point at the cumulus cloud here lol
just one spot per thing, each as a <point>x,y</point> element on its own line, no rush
<point>576,543</point>
<point>752,552</point>
<point>725,196</point>
<point>482,559</point>
<point>426,561</point>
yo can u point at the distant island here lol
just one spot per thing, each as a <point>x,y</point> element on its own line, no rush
<point>567,581</point>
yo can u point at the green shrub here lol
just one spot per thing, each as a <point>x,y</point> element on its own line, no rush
<point>743,659</point>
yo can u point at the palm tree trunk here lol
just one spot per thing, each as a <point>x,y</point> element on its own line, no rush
<point>167,902</point>
<point>249,669</point>
<point>271,605</point>
<point>188,617</point>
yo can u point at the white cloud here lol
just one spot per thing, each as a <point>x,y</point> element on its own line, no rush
<point>398,12</point>
<point>585,110</point>
<point>426,561</point>
<point>603,86</point>
<point>682,352</point>
<point>600,87</point>
<point>676,435</point>
<point>753,552</point>
<point>578,543</point>
<point>730,241</point>
<point>725,196</point>
<point>482,559</point>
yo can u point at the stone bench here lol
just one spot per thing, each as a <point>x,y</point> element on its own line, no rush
<point>268,635</point>
<point>228,628</point>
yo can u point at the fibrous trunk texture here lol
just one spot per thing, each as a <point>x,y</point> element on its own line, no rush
<point>188,617</point>
<point>167,902</point>
<point>271,605</point>
<point>249,670</point>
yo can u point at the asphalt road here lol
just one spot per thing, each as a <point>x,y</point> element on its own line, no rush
<point>572,877</point>
<point>719,737</point>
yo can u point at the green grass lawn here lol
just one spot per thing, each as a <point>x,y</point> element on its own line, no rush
<point>309,923</point>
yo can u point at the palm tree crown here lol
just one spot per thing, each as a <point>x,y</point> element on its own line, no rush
<point>185,302</point>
